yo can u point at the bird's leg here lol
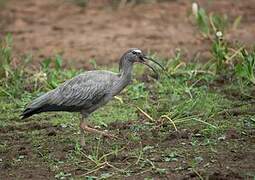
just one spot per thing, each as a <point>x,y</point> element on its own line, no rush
<point>84,126</point>
<point>82,133</point>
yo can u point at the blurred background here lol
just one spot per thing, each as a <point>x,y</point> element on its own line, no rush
<point>80,30</point>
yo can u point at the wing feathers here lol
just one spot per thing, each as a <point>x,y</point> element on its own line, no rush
<point>81,92</point>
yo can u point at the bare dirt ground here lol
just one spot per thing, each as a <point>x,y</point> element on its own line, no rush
<point>44,28</point>
<point>233,159</point>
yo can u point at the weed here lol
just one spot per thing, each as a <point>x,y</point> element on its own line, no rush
<point>209,24</point>
<point>52,68</point>
<point>137,91</point>
<point>245,70</point>
<point>52,74</point>
<point>203,21</point>
<point>6,57</point>
<point>219,52</point>
<point>173,156</point>
<point>213,26</point>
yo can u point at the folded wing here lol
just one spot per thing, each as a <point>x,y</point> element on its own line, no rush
<point>82,92</point>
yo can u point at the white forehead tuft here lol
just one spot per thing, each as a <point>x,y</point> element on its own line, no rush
<point>137,50</point>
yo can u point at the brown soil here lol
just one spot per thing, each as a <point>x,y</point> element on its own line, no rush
<point>27,158</point>
<point>44,28</point>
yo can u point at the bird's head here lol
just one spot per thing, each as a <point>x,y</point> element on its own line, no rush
<point>135,55</point>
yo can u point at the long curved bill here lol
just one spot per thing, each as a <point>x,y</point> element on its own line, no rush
<point>154,70</point>
<point>152,60</point>
<point>147,64</point>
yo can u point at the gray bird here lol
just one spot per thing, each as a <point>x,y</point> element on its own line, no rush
<point>89,91</point>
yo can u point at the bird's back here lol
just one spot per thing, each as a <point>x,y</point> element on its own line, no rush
<point>79,93</point>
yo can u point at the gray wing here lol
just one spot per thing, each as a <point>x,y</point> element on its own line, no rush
<point>82,92</point>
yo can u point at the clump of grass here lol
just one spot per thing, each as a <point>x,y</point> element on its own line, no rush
<point>5,56</point>
<point>213,26</point>
<point>219,52</point>
<point>202,21</point>
<point>11,78</point>
<point>52,74</point>
<point>246,68</point>
<point>209,24</point>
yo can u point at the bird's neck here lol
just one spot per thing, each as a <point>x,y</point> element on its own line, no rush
<point>125,77</point>
<point>126,71</point>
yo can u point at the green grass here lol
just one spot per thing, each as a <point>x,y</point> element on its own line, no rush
<point>183,94</point>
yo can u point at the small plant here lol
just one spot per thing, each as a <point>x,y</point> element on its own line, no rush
<point>175,63</point>
<point>53,74</point>
<point>213,27</point>
<point>5,56</point>
<point>219,52</point>
<point>218,22</point>
<point>53,68</point>
<point>173,156</point>
<point>11,76</point>
<point>209,24</point>
<point>137,91</point>
<point>202,21</point>
<point>247,67</point>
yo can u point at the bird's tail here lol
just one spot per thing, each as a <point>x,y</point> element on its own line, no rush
<point>35,107</point>
<point>28,112</point>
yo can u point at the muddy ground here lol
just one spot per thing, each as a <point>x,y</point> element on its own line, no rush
<point>33,145</point>
<point>99,31</point>
<point>29,143</point>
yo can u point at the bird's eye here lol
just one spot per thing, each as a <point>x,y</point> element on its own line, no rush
<point>134,52</point>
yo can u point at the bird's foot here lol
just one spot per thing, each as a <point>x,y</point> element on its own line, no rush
<point>108,135</point>
<point>86,128</point>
